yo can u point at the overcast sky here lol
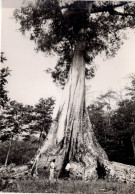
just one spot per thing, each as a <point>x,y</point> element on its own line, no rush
<point>29,82</point>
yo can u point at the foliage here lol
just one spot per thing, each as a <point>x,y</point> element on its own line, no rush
<point>123,120</point>
<point>2,57</point>
<point>43,114</point>
<point>28,114</point>
<point>18,119</point>
<point>21,152</point>
<point>123,117</point>
<point>55,28</point>
<point>131,89</point>
<point>11,120</point>
<point>4,73</point>
<point>96,114</point>
<point>114,136</point>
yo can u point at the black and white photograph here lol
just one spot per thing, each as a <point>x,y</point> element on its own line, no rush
<point>67,96</point>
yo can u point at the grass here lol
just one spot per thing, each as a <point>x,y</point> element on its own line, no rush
<point>43,185</point>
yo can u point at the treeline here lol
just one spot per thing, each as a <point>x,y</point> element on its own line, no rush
<point>22,127</point>
<point>115,127</point>
<point>25,123</point>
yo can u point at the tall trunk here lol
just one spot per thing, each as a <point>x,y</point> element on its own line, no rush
<point>133,142</point>
<point>40,136</point>
<point>10,143</point>
<point>71,136</point>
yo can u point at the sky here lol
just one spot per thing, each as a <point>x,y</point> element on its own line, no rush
<point>29,82</point>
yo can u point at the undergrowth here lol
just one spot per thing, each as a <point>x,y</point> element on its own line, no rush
<point>43,185</point>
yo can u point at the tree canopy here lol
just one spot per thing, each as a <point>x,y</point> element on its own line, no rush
<point>55,27</point>
<point>43,111</point>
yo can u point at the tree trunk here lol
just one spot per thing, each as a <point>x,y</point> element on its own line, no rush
<point>71,136</point>
<point>133,142</point>
<point>10,143</point>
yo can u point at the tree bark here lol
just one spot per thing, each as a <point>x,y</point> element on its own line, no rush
<point>71,137</point>
<point>133,142</point>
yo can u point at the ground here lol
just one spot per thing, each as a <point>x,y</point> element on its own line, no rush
<point>43,185</point>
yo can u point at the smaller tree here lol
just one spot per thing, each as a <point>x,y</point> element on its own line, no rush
<point>131,89</point>
<point>123,121</point>
<point>4,72</point>
<point>11,120</point>
<point>114,127</point>
<point>104,132</point>
<point>43,116</point>
<point>106,99</point>
<point>96,114</point>
<point>131,93</point>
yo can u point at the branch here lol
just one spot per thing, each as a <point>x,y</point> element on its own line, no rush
<point>123,14</point>
<point>95,9</point>
<point>111,9</point>
<point>107,8</point>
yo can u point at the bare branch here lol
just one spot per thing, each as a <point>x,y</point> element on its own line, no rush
<point>107,8</point>
<point>123,14</point>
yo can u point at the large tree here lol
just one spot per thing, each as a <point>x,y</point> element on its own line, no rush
<point>76,31</point>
